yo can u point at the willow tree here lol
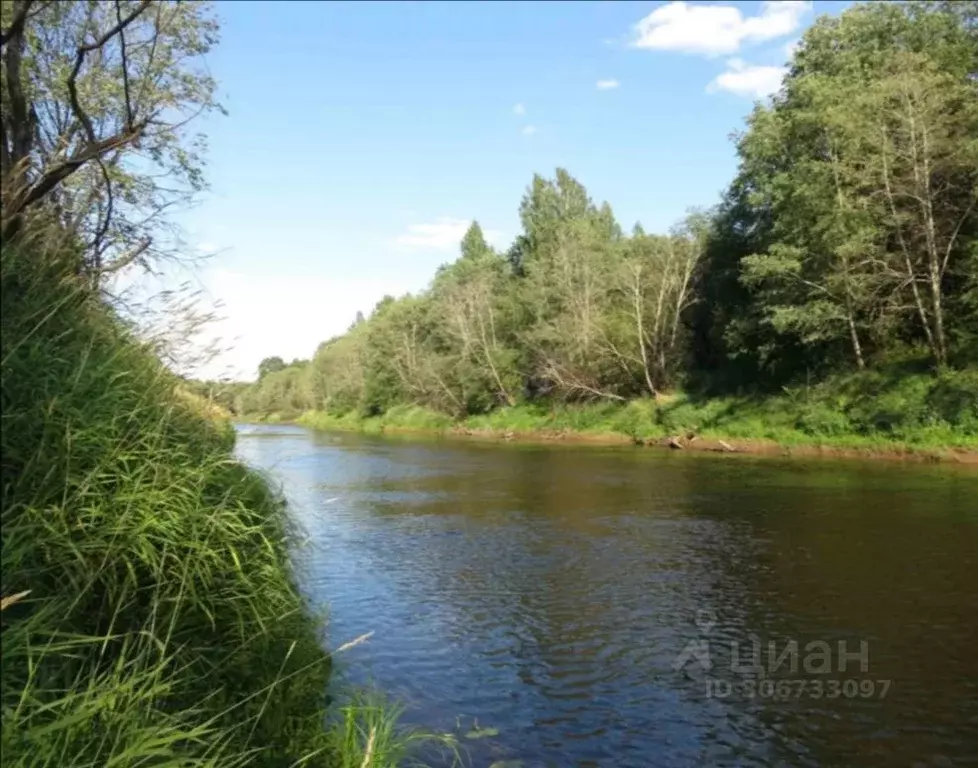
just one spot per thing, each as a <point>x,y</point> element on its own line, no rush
<point>98,98</point>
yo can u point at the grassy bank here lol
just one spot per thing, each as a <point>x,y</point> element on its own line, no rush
<point>150,616</point>
<point>893,412</point>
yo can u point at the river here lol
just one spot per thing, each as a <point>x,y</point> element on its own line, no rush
<point>581,606</point>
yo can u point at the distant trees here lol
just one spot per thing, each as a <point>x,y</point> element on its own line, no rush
<point>226,394</point>
<point>585,313</point>
<point>847,238</point>
<point>270,365</point>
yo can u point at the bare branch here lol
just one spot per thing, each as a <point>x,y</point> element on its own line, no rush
<point>954,235</point>
<point>62,170</point>
<point>127,259</point>
<point>119,27</point>
<point>103,225</point>
<point>570,382</point>
<point>85,48</point>
<point>125,65</point>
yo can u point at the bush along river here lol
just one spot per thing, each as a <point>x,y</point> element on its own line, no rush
<point>579,606</point>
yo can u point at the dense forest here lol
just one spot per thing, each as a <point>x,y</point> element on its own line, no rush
<point>848,241</point>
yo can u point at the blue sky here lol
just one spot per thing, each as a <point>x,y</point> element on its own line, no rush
<point>362,137</point>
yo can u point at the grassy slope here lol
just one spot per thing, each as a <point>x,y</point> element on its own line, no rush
<point>894,411</point>
<point>163,625</point>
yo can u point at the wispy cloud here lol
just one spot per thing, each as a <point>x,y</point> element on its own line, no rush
<point>715,30</point>
<point>749,80</point>
<point>529,130</point>
<point>519,109</point>
<point>607,85</point>
<point>790,48</point>
<point>443,234</point>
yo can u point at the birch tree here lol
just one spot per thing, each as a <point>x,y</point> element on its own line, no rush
<point>470,300</point>
<point>655,288</point>
<point>918,131</point>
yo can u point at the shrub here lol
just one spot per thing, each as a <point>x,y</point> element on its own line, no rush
<point>822,420</point>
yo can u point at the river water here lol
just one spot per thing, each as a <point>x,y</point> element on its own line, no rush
<point>573,606</point>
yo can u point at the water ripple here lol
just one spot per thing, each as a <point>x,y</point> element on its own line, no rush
<point>548,593</point>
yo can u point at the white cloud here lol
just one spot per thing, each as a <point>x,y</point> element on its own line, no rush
<point>443,234</point>
<point>750,80</point>
<point>790,48</point>
<point>529,130</point>
<point>519,109</point>
<point>605,85</point>
<point>714,30</point>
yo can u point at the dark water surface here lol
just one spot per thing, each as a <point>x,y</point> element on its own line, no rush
<point>549,592</point>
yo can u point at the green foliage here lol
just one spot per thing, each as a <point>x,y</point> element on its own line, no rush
<point>150,614</point>
<point>589,315</point>
<point>225,395</point>
<point>851,227</point>
<point>848,237</point>
<point>124,137</point>
<point>162,618</point>
<point>891,406</point>
<point>410,418</point>
<point>823,420</point>
<point>365,731</point>
<point>270,365</point>
<point>894,408</point>
<point>286,391</point>
<point>163,624</point>
<point>866,164</point>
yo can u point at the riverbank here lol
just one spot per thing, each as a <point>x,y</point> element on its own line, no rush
<point>150,612</point>
<point>910,416</point>
<point>696,443</point>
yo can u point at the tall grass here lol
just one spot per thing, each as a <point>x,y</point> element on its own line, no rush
<point>365,730</point>
<point>161,623</point>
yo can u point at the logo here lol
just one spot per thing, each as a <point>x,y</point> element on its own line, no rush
<point>778,669</point>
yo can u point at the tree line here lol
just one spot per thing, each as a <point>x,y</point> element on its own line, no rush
<point>847,240</point>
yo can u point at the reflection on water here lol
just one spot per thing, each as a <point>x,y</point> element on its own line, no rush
<point>549,592</point>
